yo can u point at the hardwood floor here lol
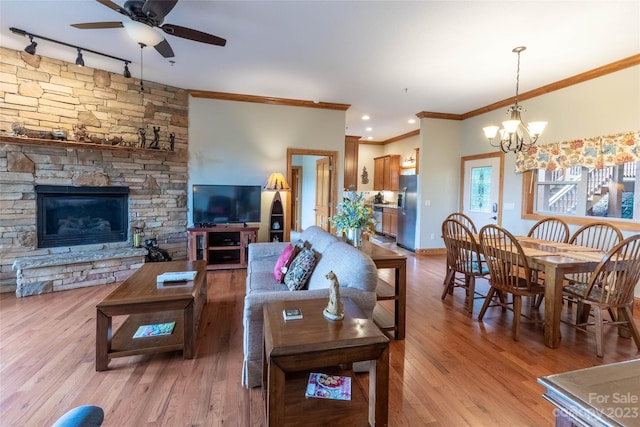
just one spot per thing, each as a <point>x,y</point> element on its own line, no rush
<point>451,370</point>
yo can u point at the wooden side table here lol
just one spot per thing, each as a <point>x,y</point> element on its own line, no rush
<point>314,343</point>
<point>384,258</point>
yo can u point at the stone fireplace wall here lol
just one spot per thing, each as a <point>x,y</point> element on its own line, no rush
<point>43,94</point>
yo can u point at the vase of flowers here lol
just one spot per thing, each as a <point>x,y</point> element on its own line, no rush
<point>354,217</point>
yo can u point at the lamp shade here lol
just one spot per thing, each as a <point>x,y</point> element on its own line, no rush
<point>276,182</point>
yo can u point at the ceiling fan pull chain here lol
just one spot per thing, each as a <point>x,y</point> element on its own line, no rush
<point>142,45</point>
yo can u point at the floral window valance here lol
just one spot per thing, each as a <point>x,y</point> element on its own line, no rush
<point>597,152</point>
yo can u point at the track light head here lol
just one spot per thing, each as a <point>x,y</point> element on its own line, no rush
<point>31,49</point>
<point>79,59</point>
<point>126,73</point>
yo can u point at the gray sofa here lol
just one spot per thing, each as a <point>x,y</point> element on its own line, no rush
<point>355,271</point>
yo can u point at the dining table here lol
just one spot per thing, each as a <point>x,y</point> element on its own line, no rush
<point>557,260</point>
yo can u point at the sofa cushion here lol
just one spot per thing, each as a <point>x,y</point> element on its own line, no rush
<point>283,262</point>
<point>317,238</point>
<point>300,269</point>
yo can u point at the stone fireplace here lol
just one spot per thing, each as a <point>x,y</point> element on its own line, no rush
<point>86,103</point>
<point>70,216</point>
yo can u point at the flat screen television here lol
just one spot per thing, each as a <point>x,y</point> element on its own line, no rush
<point>221,204</point>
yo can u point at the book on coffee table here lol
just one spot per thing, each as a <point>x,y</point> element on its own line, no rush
<point>323,386</point>
<point>155,330</point>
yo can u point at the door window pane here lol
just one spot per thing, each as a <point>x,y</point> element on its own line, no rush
<point>480,189</point>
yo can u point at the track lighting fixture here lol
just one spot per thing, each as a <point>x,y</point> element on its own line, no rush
<point>126,72</point>
<point>31,49</point>
<point>79,59</point>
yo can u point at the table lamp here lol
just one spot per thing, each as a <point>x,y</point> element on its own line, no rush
<point>276,182</point>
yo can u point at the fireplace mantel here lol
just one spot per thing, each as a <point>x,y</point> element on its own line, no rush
<point>77,145</point>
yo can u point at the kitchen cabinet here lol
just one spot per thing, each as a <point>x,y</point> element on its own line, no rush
<point>351,163</point>
<point>386,172</point>
<point>390,221</point>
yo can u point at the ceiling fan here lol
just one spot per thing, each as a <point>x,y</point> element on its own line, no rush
<point>145,14</point>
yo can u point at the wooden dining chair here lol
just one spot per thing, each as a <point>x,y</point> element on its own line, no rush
<point>610,288</point>
<point>463,256</point>
<point>598,235</point>
<point>552,229</point>
<point>465,220</point>
<point>509,273</point>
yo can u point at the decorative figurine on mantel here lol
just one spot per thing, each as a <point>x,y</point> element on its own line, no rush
<point>156,138</point>
<point>172,140</point>
<point>334,310</point>
<point>143,137</point>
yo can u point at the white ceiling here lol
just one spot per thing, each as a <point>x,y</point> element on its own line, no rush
<point>387,59</point>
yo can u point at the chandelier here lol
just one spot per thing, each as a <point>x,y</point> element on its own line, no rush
<point>514,135</point>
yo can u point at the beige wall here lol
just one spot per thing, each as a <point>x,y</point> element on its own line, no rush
<point>234,142</point>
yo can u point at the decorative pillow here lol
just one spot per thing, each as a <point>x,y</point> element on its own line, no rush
<point>285,259</point>
<point>300,269</point>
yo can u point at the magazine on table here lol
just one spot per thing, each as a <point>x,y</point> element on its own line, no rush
<point>155,330</point>
<point>323,386</point>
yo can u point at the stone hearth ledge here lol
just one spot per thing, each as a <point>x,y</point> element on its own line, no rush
<point>42,274</point>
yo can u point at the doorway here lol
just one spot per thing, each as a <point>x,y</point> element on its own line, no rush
<point>481,189</point>
<point>296,198</point>
<point>329,196</point>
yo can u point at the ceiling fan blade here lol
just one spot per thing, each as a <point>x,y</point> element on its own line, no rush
<point>112,5</point>
<point>158,9</point>
<point>191,34</point>
<point>97,25</point>
<point>164,49</point>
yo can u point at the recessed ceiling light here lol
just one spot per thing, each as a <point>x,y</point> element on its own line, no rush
<point>412,121</point>
<point>365,117</point>
<point>369,137</point>
<point>369,129</point>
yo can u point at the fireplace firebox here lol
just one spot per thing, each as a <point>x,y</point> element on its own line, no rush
<point>69,216</point>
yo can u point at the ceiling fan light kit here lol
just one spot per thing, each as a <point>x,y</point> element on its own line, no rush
<point>144,17</point>
<point>514,135</point>
<point>142,33</point>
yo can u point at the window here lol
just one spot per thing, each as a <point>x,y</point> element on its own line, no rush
<point>579,191</point>
<point>584,179</point>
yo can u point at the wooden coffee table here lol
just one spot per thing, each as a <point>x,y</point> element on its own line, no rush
<point>145,304</point>
<point>313,343</point>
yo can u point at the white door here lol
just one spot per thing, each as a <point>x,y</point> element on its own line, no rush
<point>481,196</point>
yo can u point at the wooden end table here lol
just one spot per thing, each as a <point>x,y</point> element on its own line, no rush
<point>313,343</point>
<point>145,304</point>
<point>385,258</point>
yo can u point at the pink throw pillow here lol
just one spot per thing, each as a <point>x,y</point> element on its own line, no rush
<point>283,262</point>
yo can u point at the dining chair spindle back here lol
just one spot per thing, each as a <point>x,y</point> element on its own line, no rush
<point>509,272</point>
<point>463,256</point>
<point>611,288</point>
<point>552,229</point>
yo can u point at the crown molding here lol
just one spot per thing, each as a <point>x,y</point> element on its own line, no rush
<point>267,100</point>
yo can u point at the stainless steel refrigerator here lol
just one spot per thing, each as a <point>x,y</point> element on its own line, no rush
<point>407,211</point>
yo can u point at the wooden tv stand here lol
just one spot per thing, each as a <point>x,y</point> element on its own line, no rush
<point>223,246</point>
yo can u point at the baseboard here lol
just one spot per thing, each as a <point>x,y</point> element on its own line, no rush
<point>432,251</point>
